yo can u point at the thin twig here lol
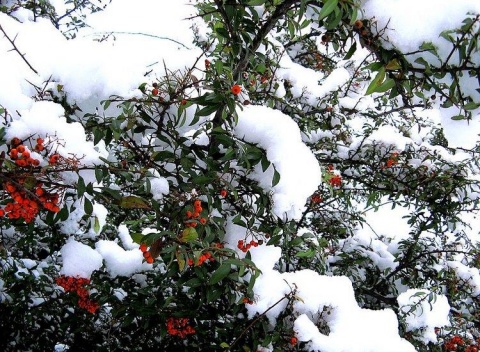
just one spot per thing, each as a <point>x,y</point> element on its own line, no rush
<point>17,50</point>
<point>258,318</point>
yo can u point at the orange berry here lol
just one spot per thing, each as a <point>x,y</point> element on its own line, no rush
<point>236,89</point>
<point>10,188</point>
<point>21,148</point>
<point>143,247</point>
<point>223,193</point>
<point>203,221</point>
<point>54,159</point>
<point>39,147</point>
<point>26,154</point>
<point>197,203</point>
<point>39,140</point>
<point>147,255</point>
<point>39,191</point>
<point>196,214</point>
<point>155,92</point>
<point>183,102</point>
<point>14,153</point>
<point>2,212</point>
<point>35,162</point>
<point>188,214</point>
<point>21,162</point>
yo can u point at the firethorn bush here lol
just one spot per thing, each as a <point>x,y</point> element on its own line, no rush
<point>265,175</point>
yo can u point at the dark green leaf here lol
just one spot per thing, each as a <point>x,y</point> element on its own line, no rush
<point>220,274</point>
<point>87,206</point>
<point>327,9</point>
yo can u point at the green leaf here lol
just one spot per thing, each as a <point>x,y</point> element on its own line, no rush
<point>98,174</point>
<point>377,81</point>
<point>327,9</point>
<point>98,135</point>
<point>385,86</point>
<point>256,2</point>
<point>306,254</point>
<point>63,214</point>
<point>80,187</point>
<point>276,178</point>
<point>201,180</point>
<point>163,155</point>
<point>471,106</point>
<point>137,237</point>
<point>87,206</point>
<point>393,65</point>
<point>188,235</point>
<point>142,87</point>
<point>133,202</point>
<point>207,110</point>
<point>351,51</point>
<point>219,274</point>
<point>428,46</point>
<point>213,293</point>
<point>334,21</point>
<point>458,117</point>
<point>180,260</point>
<point>96,225</point>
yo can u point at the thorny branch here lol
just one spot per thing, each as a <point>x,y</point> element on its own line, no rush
<point>17,50</point>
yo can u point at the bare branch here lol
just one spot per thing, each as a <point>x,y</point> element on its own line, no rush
<point>17,50</point>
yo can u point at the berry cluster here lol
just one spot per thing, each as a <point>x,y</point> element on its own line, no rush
<point>244,246</point>
<point>392,160</point>
<point>146,254</point>
<point>456,342</point>
<point>204,257</point>
<point>179,327</point>
<point>316,198</point>
<point>247,300</point>
<point>334,179</point>
<point>21,155</point>
<point>77,285</point>
<point>453,343</point>
<point>195,214</point>
<point>28,194</point>
<point>26,203</point>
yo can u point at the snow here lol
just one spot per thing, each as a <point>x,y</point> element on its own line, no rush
<point>299,170</point>
<point>424,310</point>
<point>121,262</point>
<point>79,260</point>
<point>158,185</point>
<point>410,23</point>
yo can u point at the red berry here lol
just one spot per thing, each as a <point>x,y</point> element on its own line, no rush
<point>236,89</point>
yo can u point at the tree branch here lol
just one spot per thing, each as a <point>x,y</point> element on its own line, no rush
<point>17,50</point>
